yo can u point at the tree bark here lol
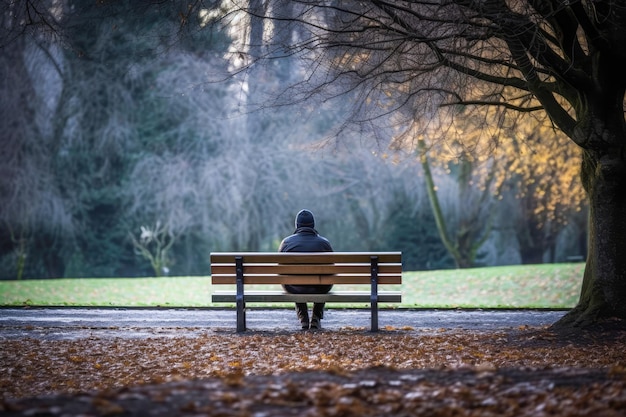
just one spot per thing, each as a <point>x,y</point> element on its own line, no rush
<point>603,293</point>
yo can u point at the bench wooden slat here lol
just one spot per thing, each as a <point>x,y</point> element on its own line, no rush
<point>306,279</point>
<point>306,257</point>
<point>304,269</point>
<point>334,296</point>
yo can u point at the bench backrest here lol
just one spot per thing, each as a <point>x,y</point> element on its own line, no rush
<point>306,267</point>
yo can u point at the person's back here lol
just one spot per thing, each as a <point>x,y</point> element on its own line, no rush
<point>306,239</point>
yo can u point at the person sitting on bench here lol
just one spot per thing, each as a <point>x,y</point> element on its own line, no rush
<point>307,239</point>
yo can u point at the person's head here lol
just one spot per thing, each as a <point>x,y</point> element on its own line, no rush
<point>305,218</point>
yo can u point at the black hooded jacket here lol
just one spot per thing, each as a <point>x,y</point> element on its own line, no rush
<point>306,239</point>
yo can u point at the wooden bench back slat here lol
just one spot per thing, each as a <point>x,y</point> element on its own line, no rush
<point>307,279</point>
<point>306,257</point>
<point>305,269</point>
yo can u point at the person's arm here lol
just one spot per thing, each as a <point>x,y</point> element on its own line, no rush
<point>283,246</point>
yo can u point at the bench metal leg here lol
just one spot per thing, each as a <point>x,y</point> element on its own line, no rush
<point>374,317</point>
<point>241,316</point>
<point>374,293</point>
<point>241,305</point>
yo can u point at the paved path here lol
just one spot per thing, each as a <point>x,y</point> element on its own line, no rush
<point>76,323</point>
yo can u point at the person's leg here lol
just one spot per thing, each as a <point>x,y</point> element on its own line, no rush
<point>302,310</point>
<point>318,310</point>
<point>303,315</point>
<point>318,315</point>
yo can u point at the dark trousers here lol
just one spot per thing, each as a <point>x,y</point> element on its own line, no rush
<point>301,308</point>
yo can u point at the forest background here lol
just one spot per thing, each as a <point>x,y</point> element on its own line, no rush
<point>137,139</point>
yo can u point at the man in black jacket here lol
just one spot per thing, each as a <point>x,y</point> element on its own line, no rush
<point>306,239</point>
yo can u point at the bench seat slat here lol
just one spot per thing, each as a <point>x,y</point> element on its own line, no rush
<point>306,279</point>
<point>280,296</point>
<point>306,257</point>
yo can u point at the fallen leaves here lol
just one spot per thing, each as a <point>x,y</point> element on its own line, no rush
<point>369,392</point>
<point>393,372</point>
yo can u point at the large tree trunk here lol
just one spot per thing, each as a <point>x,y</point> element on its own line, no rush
<point>603,293</point>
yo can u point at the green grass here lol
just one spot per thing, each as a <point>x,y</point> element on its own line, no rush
<point>523,286</point>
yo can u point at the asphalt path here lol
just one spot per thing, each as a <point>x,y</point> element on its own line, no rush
<point>77,323</point>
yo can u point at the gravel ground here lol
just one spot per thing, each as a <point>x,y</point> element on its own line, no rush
<point>75,323</point>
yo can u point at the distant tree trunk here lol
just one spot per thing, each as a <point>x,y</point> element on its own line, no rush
<point>531,255</point>
<point>472,229</point>
<point>464,246</point>
<point>436,209</point>
<point>256,72</point>
<point>50,251</point>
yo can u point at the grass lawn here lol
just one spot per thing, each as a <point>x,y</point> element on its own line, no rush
<point>520,286</point>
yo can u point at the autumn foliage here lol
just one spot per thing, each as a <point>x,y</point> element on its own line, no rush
<point>522,371</point>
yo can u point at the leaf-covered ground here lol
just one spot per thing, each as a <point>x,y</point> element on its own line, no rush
<point>524,371</point>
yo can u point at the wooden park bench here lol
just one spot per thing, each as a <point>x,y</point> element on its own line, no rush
<point>298,268</point>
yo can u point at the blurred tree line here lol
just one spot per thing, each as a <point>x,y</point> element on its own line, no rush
<point>135,140</point>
